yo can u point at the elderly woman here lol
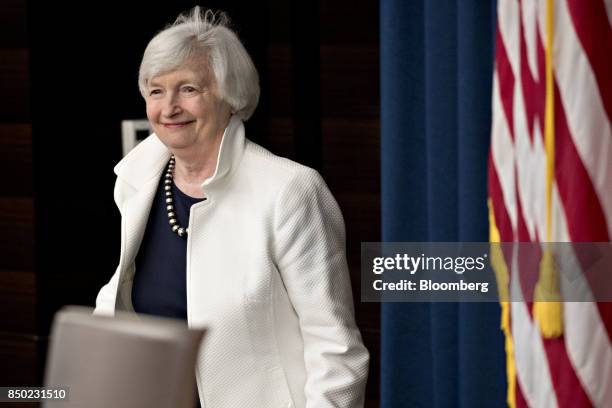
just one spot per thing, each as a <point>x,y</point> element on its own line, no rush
<point>220,232</point>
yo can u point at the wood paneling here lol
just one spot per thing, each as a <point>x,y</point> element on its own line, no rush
<point>361,212</point>
<point>17,233</point>
<point>18,301</point>
<point>280,140</point>
<point>18,359</point>
<point>14,85</point>
<point>349,22</point>
<point>279,75</point>
<point>13,29</point>
<point>351,154</point>
<point>24,405</point>
<point>16,159</point>
<point>349,81</point>
<point>19,344</point>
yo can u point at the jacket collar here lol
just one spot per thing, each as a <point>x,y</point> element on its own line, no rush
<point>147,160</point>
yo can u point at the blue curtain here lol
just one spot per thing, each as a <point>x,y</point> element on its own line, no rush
<point>436,76</point>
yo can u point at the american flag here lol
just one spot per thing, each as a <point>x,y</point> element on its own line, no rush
<point>572,41</point>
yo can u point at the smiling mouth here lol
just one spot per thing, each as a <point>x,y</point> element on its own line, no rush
<point>177,125</point>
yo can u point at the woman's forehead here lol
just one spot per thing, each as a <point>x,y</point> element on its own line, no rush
<point>186,73</point>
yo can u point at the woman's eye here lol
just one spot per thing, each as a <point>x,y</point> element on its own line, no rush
<point>154,92</point>
<point>188,89</point>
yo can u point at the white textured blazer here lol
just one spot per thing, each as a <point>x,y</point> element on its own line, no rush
<point>266,275</point>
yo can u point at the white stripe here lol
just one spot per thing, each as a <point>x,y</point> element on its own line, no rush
<point>586,339</point>
<point>531,362</point>
<point>581,100</point>
<point>608,4</point>
<point>508,25</point>
<point>502,151</point>
<point>541,15</point>
<point>538,203</point>
<point>531,169</point>
<point>529,13</point>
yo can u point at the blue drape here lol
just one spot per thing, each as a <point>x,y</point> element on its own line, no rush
<point>436,76</point>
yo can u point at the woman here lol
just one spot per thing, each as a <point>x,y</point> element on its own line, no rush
<point>220,232</point>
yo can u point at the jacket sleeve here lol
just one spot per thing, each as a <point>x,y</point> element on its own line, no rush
<point>310,254</point>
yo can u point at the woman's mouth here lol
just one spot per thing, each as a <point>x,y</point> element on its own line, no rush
<point>177,125</point>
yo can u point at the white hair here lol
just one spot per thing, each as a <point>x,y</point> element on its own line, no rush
<point>205,35</point>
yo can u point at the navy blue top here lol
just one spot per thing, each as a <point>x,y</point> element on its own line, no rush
<point>160,286</point>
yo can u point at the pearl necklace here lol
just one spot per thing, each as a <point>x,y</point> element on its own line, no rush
<point>168,178</point>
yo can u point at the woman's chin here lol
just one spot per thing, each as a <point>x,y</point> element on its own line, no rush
<point>176,143</point>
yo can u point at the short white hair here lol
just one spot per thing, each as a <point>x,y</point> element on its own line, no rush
<point>197,35</point>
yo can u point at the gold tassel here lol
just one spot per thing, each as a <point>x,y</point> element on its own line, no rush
<point>503,283</point>
<point>510,365</point>
<point>547,308</point>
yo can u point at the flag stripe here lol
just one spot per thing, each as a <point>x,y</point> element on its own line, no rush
<point>502,219</point>
<point>520,398</point>
<point>506,81</point>
<point>591,355</point>
<point>586,119</point>
<point>507,24</point>
<point>608,6</point>
<point>529,125</point>
<point>568,388</point>
<point>585,217</point>
<point>592,27</point>
<point>534,88</point>
<point>532,368</point>
<point>588,349</point>
<point>501,150</point>
<point>526,265</point>
<point>531,355</point>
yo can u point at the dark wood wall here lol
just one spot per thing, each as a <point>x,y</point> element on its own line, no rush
<point>17,277</point>
<point>323,76</point>
<point>19,338</point>
<point>60,137</point>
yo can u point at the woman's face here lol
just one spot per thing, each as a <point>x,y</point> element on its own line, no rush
<point>184,108</point>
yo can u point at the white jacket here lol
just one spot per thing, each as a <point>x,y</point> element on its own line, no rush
<point>266,275</point>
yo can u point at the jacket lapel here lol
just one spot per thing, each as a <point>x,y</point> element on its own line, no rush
<point>138,174</point>
<point>135,216</point>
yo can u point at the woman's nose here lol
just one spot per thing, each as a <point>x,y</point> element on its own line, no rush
<point>171,106</point>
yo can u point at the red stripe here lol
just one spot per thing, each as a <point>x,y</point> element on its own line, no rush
<point>593,28</point>
<point>605,312</point>
<point>520,398</point>
<point>506,80</point>
<point>597,275</point>
<point>534,92</point>
<point>527,261</point>
<point>568,387</point>
<point>585,217</point>
<point>502,219</point>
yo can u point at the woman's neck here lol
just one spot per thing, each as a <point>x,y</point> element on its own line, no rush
<point>194,166</point>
